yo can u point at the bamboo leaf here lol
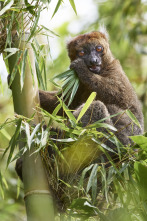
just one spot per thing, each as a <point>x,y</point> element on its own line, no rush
<point>67,111</point>
<point>68,140</point>
<point>7,6</point>
<point>9,31</point>
<point>27,132</point>
<point>74,91</point>
<point>39,76</point>
<point>73,6</point>
<point>104,125</point>
<point>92,177</point>
<point>66,90</point>
<point>63,75</point>
<point>57,7</point>
<point>15,68</point>
<point>133,118</point>
<point>29,8</point>
<point>13,141</point>
<point>83,175</point>
<point>35,23</point>
<point>141,141</point>
<point>87,104</point>
<point>23,65</point>
<point>50,31</point>
<point>34,132</point>
<point>12,51</point>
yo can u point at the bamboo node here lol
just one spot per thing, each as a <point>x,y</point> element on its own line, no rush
<point>36,192</point>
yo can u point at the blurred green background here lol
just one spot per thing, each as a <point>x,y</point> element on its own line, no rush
<point>126,23</point>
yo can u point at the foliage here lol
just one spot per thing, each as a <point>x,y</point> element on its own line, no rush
<point>99,192</point>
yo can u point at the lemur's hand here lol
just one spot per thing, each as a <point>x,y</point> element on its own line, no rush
<point>80,67</point>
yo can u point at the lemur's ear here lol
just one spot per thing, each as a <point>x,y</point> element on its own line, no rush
<point>103,30</point>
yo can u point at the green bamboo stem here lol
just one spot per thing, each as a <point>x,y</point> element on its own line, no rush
<point>38,201</point>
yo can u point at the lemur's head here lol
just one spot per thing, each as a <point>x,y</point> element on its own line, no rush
<point>93,48</point>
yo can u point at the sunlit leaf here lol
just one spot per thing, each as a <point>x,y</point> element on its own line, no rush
<point>35,23</point>
<point>73,5</point>
<point>141,174</point>
<point>141,141</point>
<point>86,105</point>
<point>8,5</point>
<point>57,7</point>
<point>50,31</point>
<point>12,51</point>
<point>23,66</point>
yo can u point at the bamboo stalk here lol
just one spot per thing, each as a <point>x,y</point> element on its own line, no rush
<point>38,201</point>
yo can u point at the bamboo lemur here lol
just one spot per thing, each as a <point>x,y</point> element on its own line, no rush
<point>99,71</point>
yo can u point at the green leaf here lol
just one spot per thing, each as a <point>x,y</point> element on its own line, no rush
<point>63,75</point>
<point>29,8</point>
<point>133,118</point>
<point>13,141</point>
<point>67,111</point>
<point>35,23</point>
<point>86,105</point>
<point>34,132</point>
<point>141,141</point>
<point>9,31</point>
<point>23,66</point>
<point>74,91</point>
<point>57,7</point>
<point>38,72</point>
<point>84,206</point>
<point>50,31</point>
<point>15,68</point>
<point>73,6</point>
<point>66,89</point>
<point>12,51</point>
<point>83,175</point>
<point>141,175</point>
<point>92,182</point>
<point>104,125</point>
<point>7,6</point>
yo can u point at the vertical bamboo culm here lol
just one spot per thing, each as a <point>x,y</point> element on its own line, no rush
<point>38,201</point>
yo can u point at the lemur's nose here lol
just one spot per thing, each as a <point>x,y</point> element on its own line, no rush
<point>93,61</point>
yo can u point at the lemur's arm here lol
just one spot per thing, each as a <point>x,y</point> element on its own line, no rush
<point>48,100</point>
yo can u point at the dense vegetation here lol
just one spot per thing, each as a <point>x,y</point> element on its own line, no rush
<point>118,192</point>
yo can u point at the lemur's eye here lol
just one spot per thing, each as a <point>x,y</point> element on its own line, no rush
<point>81,53</point>
<point>99,48</point>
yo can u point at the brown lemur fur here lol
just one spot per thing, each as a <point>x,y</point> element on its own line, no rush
<point>99,72</point>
